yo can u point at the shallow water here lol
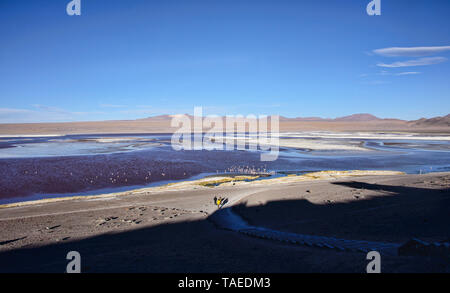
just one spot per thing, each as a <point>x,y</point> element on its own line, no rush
<point>43,167</point>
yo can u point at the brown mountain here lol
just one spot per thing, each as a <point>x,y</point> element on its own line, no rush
<point>441,121</point>
<point>358,117</point>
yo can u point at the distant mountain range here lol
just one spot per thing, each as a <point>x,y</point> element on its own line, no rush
<point>436,121</point>
<point>354,117</point>
<point>162,124</point>
<point>360,117</point>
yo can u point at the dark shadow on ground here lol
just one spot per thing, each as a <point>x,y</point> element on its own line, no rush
<point>199,246</point>
<point>399,215</point>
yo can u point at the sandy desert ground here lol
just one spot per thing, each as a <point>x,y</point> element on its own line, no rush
<point>174,228</point>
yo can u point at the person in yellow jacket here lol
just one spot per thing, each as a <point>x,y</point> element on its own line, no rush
<point>220,201</point>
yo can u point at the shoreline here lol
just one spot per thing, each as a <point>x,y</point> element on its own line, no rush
<point>197,183</point>
<point>164,229</point>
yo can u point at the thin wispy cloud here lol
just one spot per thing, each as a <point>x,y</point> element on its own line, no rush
<point>415,62</point>
<point>9,111</point>
<point>10,115</point>
<point>111,106</point>
<point>411,51</point>
<point>50,109</point>
<point>408,73</point>
<point>385,73</point>
<point>41,113</point>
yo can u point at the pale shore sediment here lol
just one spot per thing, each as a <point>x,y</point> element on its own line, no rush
<point>199,183</point>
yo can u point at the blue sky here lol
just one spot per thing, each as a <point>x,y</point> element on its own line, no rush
<point>132,59</point>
